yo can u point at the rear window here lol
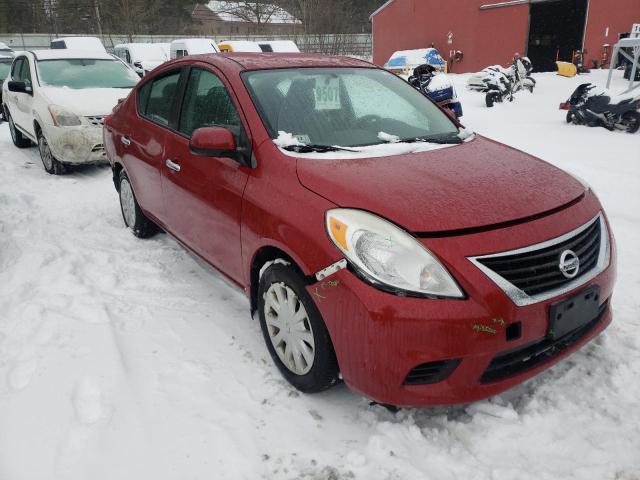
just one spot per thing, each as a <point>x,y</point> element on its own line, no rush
<point>86,73</point>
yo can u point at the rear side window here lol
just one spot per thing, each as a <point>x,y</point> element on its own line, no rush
<point>156,98</point>
<point>58,45</point>
<point>207,103</point>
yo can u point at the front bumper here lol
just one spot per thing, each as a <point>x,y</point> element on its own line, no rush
<point>81,145</point>
<point>380,338</point>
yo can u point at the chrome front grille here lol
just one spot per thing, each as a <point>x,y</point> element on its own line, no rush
<point>533,274</point>
<point>97,121</point>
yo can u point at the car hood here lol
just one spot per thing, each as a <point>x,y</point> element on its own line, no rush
<point>86,101</point>
<point>476,184</point>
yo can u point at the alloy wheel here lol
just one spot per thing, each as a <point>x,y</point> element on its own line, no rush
<point>128,203</point>
<point>45,153</point>
<point>289,328</point>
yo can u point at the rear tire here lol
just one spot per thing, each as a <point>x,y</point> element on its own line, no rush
<point>133,217</point>
<point>491,98</point>
<point>571,118</point>
<point>19,140</point>
<point>294,331</point>
<point>631,121</point>
<point>49,162</point>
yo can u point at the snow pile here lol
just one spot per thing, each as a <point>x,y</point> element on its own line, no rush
<point>286,139</point>
<point>387,137</point>
<point>122,358</point>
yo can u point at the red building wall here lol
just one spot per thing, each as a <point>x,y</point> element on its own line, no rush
<point>617,15</point>
<point>486,37</point>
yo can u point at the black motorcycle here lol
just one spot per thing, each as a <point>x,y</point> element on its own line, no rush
<point>586,107</point>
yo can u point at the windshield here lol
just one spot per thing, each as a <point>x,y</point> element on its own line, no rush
<point>4,70</point>
<point>86,73</point>
<point>346,107</point>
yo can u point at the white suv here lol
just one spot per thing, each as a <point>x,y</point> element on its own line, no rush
<point>58,100</point>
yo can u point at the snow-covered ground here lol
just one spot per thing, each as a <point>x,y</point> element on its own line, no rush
<point>128,359</point>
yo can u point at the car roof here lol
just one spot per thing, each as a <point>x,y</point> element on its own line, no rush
<point>62,53</point>
<point>267,61</point>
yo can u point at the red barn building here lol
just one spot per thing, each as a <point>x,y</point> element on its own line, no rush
<point>489,32</point>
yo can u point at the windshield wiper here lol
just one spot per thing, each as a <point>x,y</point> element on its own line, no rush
<point>448,139</point>
<point>316,149</point>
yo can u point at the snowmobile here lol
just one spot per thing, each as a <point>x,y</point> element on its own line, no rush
<point>437,87</point>
<point>596,107</point>
<point>501,83</point>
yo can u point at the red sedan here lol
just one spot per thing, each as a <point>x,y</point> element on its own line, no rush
<point>379,240</point>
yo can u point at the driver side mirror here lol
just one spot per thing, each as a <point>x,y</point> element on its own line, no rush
<point>219,142</point>
<point>19,87</point>
<point>213,142</point>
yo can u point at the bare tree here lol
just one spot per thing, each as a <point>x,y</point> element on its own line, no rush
<point>250,12</point>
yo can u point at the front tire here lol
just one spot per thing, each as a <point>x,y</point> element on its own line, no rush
<point>133,217</point>
<point>18,139</point>
<point>294,331</point>
<point>49,162</point>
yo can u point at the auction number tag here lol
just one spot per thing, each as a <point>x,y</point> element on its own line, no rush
<point>327,93</point>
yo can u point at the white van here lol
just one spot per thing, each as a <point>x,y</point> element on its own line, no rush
<point>192,46</point>
<point>278,46</point>
<point>143,57</point>
<point>92,44</point>
<point>239,46</point>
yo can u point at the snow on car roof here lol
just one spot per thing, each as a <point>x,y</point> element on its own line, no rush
<point>57,54</point>
<point>239,12</point>
<point>265,61</point>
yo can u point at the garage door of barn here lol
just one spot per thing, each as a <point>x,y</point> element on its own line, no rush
<point>556,31</point>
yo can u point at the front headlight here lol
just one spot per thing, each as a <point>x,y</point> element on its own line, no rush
<point>63,117</point>
<point>388,256</point>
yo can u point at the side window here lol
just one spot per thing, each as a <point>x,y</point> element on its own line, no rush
<point>127,57</point>
<point>16,70</point>
<point>181,53</point>
<point>207,103</point>
<point>161,96</point>
<point>58,44</point>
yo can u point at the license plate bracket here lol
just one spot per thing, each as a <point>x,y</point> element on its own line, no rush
<point>574,312</point>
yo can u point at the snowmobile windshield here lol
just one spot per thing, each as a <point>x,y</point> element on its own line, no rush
<point>86,73</point>
<point>346,107</point>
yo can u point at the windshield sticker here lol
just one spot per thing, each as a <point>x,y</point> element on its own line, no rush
<point>302,138</point>
<point>327,93</point>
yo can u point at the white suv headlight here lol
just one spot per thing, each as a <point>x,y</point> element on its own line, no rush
<point>388,256</point>
<point>63,117</point>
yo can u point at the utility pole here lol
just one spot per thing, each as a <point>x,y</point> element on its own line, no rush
<point>98,20</point>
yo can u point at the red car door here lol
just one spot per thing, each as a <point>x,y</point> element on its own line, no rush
<point>203,195</point>
<point>143,137</point>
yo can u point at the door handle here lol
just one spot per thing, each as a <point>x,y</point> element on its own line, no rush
<point>172,165</point>
<point>125,141</point>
